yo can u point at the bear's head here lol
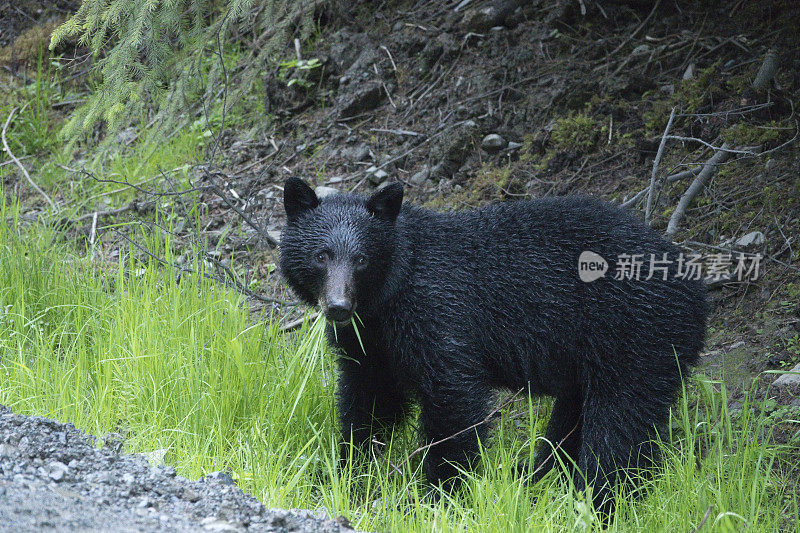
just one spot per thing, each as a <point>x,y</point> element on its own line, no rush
<point>335,252</point>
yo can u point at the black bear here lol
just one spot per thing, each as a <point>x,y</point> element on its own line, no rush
<point>569,297</point>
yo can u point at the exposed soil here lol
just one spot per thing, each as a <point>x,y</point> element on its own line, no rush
<point>53,479</point>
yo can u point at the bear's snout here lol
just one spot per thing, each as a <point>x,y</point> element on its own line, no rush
<point>338,302</point>
<point>339,311</point>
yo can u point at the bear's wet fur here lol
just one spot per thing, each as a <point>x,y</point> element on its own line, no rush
<point>452,306</point>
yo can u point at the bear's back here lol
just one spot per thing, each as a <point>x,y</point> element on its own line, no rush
<point>506,278</point>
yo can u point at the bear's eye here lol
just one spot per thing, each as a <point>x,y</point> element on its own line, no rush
<point>361,260</point>
<point>321,257</point>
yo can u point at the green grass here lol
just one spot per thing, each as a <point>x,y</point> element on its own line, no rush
<point>183,366</point>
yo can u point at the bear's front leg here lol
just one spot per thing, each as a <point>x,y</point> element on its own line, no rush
<point>454,421</point>
<point>369,400</point>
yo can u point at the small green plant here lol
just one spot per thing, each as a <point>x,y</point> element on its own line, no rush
<point>294,71</point>
<point>793,345</point>
<point>577,132</point>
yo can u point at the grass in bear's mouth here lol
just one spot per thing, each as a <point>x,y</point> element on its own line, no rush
<point>353,318</point>
<point>183,367</point>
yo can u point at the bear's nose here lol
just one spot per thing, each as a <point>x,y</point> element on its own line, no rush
<point>339,310</point>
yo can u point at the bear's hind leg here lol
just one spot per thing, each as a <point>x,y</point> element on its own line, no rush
<point>454,422</point>
<point>619,425</point>
<point>563,436</point>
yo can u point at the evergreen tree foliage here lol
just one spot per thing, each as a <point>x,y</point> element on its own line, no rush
<point>155,58</point>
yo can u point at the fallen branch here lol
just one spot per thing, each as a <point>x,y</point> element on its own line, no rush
<point>397,132</point>
<point>135,206</point>
<point>638,196</point>
<point>709,169</point>
<point>767,71</point>
<point>7,150</point>
<point>651,196</point>
<point>678,176</point>
<point>294,324</point>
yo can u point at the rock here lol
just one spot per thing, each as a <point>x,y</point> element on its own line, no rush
<point>275,234</point>
<point>213,524</point>
<point>323,191</point>
<point>481,19</point>
<point>219,477</point>
<point>378,177</point>
<point>420,177</point>
<point>776,360</point>
<point>788,382</point>
<point>57,470</point>
<point>750,242</point>
<point>156,457</point>
<point>365,98</point>
<point>190,495</point>
<point>668,89</point>
<point>113,441</point>
<point>688,74</point>
<point>514,145</point>
<point>7,450</point>
<point>355,153</point>
<point>770,165</point>
<point>493,143</point>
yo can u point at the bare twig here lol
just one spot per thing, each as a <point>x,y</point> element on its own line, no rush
<point>250,222</point>
<point>397,132</point>
<point>555,449</point>
<point>137,188</point>
<point>704,519</point>
<point>7,149</point>
<point>297,50</point>
<point>678,176</point>
<point>636,31</point>
<point>652,190</point>
<point>294,324</point>
<point>485,420</point>
<point>669,179</point>
<point>709,169</point>
<point>388,53</point>
<point>722,148</point>
<point>94,229</point>
<point>11,161</point>
<point>229,280</point>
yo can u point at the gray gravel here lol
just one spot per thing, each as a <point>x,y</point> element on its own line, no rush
<point>53,479</point>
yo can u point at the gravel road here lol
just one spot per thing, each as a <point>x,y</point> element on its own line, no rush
<point>53,479</point>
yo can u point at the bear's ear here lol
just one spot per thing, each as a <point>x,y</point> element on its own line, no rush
<point>298,197</point>
<point>385,204</point>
